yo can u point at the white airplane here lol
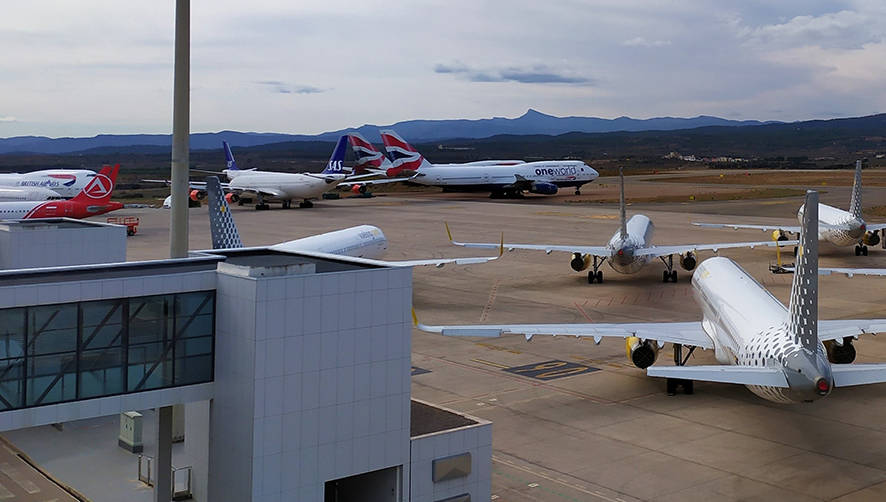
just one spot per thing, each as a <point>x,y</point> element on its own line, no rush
<point>67,183</point>
<point>629,249</point>
<point>782,354</point>
<point>9,194</point>
<point>839,227</point>
<point>370,162</point>
<point>360,244</point>
<point>502,178</point>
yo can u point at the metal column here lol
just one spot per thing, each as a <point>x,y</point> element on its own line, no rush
<point>163,460</point>
<point>178,227</point>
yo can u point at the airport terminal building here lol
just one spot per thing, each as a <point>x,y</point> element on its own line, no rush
<point>294,371</point>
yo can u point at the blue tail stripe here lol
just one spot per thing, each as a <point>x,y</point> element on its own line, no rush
<point>229,157</point>
<point>338,157</point>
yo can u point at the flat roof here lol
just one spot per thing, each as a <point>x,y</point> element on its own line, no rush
<point>264,257</point>
<point>427,419</point>
<point>8,225</point>
<point>24,276</point>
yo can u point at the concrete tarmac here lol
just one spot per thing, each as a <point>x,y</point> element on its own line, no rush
<point>576,421</point>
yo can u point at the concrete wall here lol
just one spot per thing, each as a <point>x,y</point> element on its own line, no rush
<point>49,245</point>
<point>474,439</point>
<point>312,382</point>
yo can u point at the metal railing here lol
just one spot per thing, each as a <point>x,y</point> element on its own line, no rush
<point>181,477</point>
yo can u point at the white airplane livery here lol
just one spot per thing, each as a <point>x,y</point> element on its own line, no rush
<point>629,249</point>
<point>67,183</point>
<point>9,194</point>
<point>360,244</point>
<point>502,178</point>
<point>839,227</point>
<point>782,354</point>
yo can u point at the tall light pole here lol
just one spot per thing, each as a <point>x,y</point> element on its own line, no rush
<point>178,225</point>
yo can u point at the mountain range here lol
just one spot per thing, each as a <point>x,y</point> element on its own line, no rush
<point>418,131</point>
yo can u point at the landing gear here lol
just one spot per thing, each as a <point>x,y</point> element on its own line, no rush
<point>674,383</point>
<point>596,275</point>
<point>669,275</point>
<point>305,204</point>
<point>262,207</point>
<point>861,250</point>
<point>578,191</point>
<point>287,204</point>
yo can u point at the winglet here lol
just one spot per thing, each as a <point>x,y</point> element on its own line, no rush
<point>448,232</point>
<point>414,318</point>
<point>501,245</point>
<point>804,289</point>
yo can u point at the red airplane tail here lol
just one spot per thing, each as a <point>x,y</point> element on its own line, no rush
<point>98,191</point>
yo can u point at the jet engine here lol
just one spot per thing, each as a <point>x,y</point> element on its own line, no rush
<point>232,197</point>
<point>840,354</point>
<point>358,189</point>
<point>871,238</point>
<point>779,235</point>
<point>543,188</point>
<point>198,194</point>
<point>580,262</point>
<point>688,261</point>
<point>641,353</point>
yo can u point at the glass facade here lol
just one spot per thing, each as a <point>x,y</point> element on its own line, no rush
<point>64,352</point>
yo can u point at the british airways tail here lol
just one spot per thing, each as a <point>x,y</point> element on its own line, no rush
<point>855,203</point>
<point>230,163</point>
<point>367,156</point>
<point>221,222</point>
<point>803,309</point>
<point>405,160</point>
<point>336,160</point>
<point>98,190</point>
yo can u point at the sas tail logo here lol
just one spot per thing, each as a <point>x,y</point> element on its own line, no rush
<point>404,158</point>
<point>230,163</point>
<point>334,166</point>
<point>367,155</point>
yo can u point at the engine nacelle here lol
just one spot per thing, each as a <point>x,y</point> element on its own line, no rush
<point>688,261</point>
<point>232,198</point>
<point>779,235</point>
<point>543,188</point>
<point>580,262</point>
<point>871,238</point>
<point>356,188</point>
<point>642,353</point>
<point>840,354</point>
<point>197,194</point>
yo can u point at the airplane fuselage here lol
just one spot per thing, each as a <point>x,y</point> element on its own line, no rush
<point>362,241</point>
<point>749,327</point>
<point>639,235</point>
<point>291,186</point>
<point>486,178</point>
<point>837,226</point>
<point>66,182</point>
<point>13,194</point>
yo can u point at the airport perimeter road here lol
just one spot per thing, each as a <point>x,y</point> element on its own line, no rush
<point>576,421</point>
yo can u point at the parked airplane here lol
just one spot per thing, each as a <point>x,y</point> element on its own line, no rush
<point>782,354</point>
<point>66,183</point>
<point>502,178</point>
<point>93,199</point>
<point>839,227</point>
<point>629,249</point>
<point>370,162</point>
<point>8,194</point>
<point>360,244</point>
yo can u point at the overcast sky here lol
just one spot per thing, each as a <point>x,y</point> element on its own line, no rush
<point>105,66</point>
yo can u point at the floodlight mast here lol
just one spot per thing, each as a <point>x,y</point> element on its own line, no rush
<point>178,227</point>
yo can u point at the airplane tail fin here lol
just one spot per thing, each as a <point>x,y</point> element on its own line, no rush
<point>405,160</point>
<point>221,222</point>
<point>230,163</point>
<point>367,155</point>
<point>334,166</point>
<point>855,203</point>
<point>803,324</point>
<point>621,203</point>
<point>98,191</point>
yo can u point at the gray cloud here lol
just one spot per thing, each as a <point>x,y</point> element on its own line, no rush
<point>284,88</point>
<point>642,42</point>
<point>7,118</point>
<point>538,74</point>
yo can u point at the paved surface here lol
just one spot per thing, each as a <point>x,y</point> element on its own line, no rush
<point>21,482</point>
<point>610,434</point>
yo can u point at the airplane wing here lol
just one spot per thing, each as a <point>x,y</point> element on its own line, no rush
<point>381,181</point>
<point>847,375</point>
<point>547,248</point>
<point>848,272</point>
<point>437,262</point>
<point>196,185</point>
<point>744,375</point>
<point>871,227</point>
<point>736,226</point>
<point>685,333</point>
<point>273,192</point>
<point>835,329</point>
<point>669,250</point>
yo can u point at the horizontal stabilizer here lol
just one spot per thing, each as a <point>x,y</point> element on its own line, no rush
<point>847,375</point>
<point>743,375</point>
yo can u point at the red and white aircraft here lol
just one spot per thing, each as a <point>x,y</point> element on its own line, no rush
<point>94,199</point>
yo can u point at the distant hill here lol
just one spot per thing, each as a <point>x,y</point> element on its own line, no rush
<point>418,131</point>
